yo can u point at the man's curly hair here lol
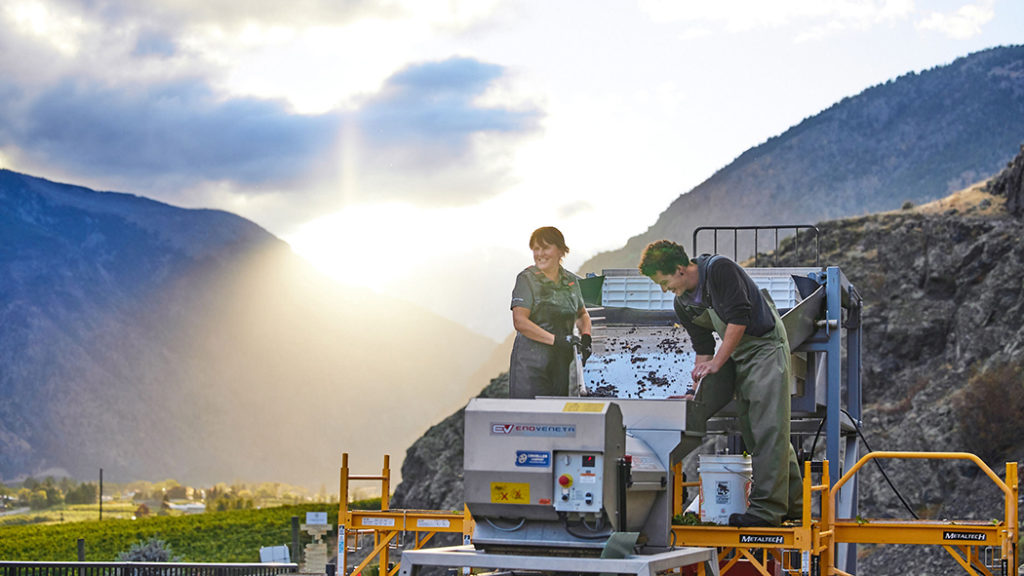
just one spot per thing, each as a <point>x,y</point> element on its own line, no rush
<point>663,256</point>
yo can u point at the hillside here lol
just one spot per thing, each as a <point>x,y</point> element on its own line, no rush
<point>943,286</point>
<point>156,342</point>
<point>916,138</point>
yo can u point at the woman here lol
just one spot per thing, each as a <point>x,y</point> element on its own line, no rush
<point>546,303</point>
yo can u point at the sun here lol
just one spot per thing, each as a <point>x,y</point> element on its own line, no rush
<point>386,246</point>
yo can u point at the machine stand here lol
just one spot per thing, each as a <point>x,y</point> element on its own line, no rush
<point>647,565</point>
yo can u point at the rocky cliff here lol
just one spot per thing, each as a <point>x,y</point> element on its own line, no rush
<point>943,285</point>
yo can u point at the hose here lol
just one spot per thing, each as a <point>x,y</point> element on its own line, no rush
<point>512,529</point>
<point>860,434</point>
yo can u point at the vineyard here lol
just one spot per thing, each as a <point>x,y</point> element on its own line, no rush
<point>229,536</point>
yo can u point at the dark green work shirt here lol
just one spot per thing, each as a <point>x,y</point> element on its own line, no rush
<point>553,306</point>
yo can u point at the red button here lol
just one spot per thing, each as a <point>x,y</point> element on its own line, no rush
<point>565,479</point>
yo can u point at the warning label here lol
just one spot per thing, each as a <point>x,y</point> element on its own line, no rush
<point>583,407</point>
<point>510,492</point>
<point>722,492</point>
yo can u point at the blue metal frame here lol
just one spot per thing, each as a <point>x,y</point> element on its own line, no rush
<point>842,452</point>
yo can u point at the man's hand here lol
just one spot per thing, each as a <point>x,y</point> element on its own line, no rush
<point>705,365</point>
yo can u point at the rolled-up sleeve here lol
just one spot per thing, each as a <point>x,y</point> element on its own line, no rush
<point>522,293</point>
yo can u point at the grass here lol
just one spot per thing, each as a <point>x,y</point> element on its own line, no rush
<point>72,513</point>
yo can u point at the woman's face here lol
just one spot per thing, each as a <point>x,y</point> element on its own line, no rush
<point>547,257</point>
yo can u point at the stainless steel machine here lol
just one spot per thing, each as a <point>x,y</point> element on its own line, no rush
<point>565,473</point>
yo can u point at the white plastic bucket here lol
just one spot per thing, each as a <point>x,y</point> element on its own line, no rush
<point>724,486</point>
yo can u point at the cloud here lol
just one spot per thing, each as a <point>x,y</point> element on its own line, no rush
<point>435,102</point>
<point>430,138</point>
<point>226,13</point>
<point>747,15</point>
<point>153,42</point>
<point>423,138</point>
<point>177,131</point>
<point>964,23</point>
<point>230,14</point>
<point>567,211</point>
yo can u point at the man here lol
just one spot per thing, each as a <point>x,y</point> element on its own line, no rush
<point>752,364</point>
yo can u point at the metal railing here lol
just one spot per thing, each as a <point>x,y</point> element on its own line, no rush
<point>143,569</point>
<point>773,234</point>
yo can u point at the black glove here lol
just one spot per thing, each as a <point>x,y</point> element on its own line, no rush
<point>565,342</point>
<point>585,348</point>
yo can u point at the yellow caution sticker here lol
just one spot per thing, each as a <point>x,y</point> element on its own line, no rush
<point>583,407</point>
<point>510,492</point>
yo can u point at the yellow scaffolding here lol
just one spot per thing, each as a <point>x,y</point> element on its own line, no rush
<point>963,539</point>
<point>387,525</point>
<point>813,541</point>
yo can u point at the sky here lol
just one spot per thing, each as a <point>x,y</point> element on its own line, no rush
<point>411,146</point>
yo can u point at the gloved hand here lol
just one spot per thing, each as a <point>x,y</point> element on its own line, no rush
<point>586,349</point>
<point>565,342</point>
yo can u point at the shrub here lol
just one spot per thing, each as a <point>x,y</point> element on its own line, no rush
<point>990,410</point>
<point>152,550</point>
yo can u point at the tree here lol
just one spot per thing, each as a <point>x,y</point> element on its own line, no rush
<point>84,493</point>
<point>37,499</point>
<point>54,497</point>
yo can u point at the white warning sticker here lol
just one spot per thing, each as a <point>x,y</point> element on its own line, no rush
<point>433,523</point>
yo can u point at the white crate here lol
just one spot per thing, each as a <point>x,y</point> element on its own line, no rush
<point>628,288</point>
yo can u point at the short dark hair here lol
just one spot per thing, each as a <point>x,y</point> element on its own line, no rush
<point>549,235</point>
<point>663,256</point>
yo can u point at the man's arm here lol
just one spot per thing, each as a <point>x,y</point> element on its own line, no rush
<point>707,364</point>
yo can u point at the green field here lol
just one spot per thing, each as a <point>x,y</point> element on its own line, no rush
<point>71,513</point>
<point>230,536</point>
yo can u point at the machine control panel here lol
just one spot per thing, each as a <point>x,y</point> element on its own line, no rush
<point>579,482</point>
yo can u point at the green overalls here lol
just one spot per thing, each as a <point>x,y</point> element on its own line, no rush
<point>538,369</point>
<point>758,375</point>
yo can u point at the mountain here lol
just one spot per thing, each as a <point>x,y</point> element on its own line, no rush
<point>154,341</point>
<point>943,363</point>
<point>913,139</point>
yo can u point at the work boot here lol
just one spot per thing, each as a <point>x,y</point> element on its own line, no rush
<point>745,520</point>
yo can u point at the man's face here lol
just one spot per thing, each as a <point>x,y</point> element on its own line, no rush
<point>684,279</point>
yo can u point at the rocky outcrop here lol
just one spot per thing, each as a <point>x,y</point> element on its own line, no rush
<point>1010,185</point>
<point>943,287</point>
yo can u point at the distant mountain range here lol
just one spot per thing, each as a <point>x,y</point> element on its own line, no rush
<point>913,139</point>
<point>154,342</point>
